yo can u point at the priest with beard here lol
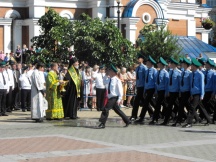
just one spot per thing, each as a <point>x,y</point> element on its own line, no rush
<point>72,96</point>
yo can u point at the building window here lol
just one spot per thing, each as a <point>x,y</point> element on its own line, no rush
<point>146,18</point>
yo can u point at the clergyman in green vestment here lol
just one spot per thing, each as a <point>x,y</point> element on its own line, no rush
<point>55,107</point>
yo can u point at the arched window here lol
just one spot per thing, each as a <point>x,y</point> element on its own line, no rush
<point>12,14</point>
<point>67,14</point>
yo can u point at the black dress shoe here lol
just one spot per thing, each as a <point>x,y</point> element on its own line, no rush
<point>23,110</point>
<point>4,114</point>
<point>127,124</point>
<point>187,126</point>
<point>176,124</point>
<point>101,126</point>
<point>73,118</point>
<point>139,121</point>
<point>17,109</point>
<point>9,110</point>
<point>164,124</point>
<point>28,109</point>
<point>39,120</point>
<point>153,123</point>
<point>132,119</point>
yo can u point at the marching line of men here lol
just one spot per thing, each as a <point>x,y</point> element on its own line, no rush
<point>191,88</point>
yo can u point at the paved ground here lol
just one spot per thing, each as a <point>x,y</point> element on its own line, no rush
<point>23,140</point>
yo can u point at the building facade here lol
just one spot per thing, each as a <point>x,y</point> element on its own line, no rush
<point>18,18</point>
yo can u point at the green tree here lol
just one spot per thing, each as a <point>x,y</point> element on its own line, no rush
<point>158,42</point>
<point>101,42</point>
<point>55,38</point>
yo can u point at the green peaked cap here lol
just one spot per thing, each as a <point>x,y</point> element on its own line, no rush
<point>195,62</point>
<point>2,64</point>
<point>113,68</point>
<point>151,60</point>
<point>162,61</point>
<point>172,60</point>
<point>210,62</point>
<point>202,61</point>
<point>186,61</point>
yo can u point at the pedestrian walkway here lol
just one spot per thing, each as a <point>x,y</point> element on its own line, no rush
<point>24,140</point>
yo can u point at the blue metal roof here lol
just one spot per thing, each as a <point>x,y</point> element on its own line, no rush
<point>193,46</point>
<point>130,6</point>
<point>129,9</point>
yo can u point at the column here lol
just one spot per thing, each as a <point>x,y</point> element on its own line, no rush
<point>191,27</point>
<point>7,34</point>
<point>34,29</point>
<point>99,9</point>
<point>205,37</point>
<point>36,8</point>
<point>131,28</point>
<point>7,38</point>
<point>17,33</point>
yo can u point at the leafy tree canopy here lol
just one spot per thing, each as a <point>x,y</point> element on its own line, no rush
<point>94,41</point>
<point>158,42</point>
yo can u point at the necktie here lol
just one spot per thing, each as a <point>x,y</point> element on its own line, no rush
<point>182,81</point>
<point>29,80</point>
<point>3,79</point>
<point>171,77</point>
<point>193,80</point>
<point>8,75</point>
<point>147,76</point>
<point>109,86</point>
<point>158,78</point>
<point>206,76</point>
<point>137,74</point>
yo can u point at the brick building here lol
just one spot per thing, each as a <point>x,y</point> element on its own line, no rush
<point>18,18</point>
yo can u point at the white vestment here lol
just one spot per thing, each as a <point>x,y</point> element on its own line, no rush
<point>37,99</point>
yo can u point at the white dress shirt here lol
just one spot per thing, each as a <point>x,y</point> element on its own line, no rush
<point>99,80</point>
<point>25,81</point>
<point>2,85</point>
<point>9,74</point>
<point>116,89</point>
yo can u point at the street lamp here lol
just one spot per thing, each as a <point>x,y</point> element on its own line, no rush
<point>118,12</point>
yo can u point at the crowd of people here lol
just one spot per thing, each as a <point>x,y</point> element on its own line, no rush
<point>169,90</point>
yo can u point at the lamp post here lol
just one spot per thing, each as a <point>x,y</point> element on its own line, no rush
<point>118,12</point>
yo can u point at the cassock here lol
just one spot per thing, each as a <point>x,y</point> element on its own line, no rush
<point>37,99</point>
<point>72,95</point>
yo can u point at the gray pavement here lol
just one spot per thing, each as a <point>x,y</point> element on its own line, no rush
<point>194,144</point>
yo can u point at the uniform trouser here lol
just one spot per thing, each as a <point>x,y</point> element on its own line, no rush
<point>203,104</point>
<point>25,98</point>
<point>172,99</point>
<point>160,99</point>
<point>192,108</point>
<point>3,93</point>
<point>138,98</point>
<point>9,99</point>
<point>14,94</point>
<point>148,96</point>
<point>112,104</point>
<point>100,96</point>
<point>183,102</point>
<point>206,103</point>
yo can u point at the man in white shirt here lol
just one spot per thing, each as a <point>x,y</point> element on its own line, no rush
<point>25,81</point>
<point>100,87</point>
<point>4,88</point>
<point>9,73</point>
<point>115,94</point>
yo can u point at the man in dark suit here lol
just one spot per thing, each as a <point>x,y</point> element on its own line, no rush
<point>15,92</point>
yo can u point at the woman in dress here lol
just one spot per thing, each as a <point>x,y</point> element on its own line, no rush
<point>124,78</point>
<point>87,82</point>
<point>94,71</point>
<point>130,85</point>
<point>18,54</point>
